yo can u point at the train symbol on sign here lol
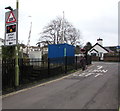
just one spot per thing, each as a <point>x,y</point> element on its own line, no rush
<point>11,18</point>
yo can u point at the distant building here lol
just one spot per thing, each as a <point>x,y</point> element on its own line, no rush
<point>111,49</point>
<point>98,50</point>
<point>44,46</point>
<point>44,50</point>
<point>35,53</point>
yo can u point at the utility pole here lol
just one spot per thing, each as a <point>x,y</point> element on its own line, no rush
<point>28,44</point>
<point>16,51</point>
<point>63,28</point>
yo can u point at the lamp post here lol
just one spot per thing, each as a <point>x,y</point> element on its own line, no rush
<point>16,52</point>
<point>28,43</point>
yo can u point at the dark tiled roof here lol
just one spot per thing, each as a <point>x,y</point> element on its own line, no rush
<point>94,50</point>
<point>100,46</point>
<point>111,48</point>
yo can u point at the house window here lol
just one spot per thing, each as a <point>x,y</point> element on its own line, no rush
<point>93,54</point>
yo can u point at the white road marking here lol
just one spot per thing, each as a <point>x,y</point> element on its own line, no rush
<point>90,70</point>
<point>98,74</point>
<point>82,74</point>
<point>99,67</point>
<point>97,71</point>
<point>79,74</point>
<point>89,74</point>
<point>75,74</point>
<point>104,71</point>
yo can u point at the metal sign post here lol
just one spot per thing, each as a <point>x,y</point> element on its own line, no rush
<point>16,52</point>
<point>11,36</point>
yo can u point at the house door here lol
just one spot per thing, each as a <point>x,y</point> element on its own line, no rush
<point>101,56</point>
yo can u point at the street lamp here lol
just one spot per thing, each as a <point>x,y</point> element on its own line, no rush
<point>28,43</point>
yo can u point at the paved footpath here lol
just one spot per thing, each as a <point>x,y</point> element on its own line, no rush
<point>94,88</point>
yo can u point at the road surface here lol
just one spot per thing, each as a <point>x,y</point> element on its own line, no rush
<point>94,88</point>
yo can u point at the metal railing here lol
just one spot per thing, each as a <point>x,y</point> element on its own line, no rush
<point>35,69</point>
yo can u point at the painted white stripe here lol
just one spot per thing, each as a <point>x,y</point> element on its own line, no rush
<point>75,74</point>
<point>82,74</point>
<point>104,71</point>
<point>98,74</point>
<point>90,70</point>
<point>89,74</point>
<point>99,67</point>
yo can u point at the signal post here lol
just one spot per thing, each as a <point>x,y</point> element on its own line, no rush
<point>11,35</point>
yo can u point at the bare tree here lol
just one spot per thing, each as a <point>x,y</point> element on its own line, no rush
<point>60,30</point>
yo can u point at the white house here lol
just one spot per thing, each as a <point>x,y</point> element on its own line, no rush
<point>98,49</point>
<point>33,53</point>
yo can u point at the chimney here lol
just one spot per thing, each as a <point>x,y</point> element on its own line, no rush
<point>100,41</point>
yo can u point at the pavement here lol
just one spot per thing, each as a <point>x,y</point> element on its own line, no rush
<point>94,88</point>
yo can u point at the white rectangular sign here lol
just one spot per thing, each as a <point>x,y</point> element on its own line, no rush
<point>11,38</point>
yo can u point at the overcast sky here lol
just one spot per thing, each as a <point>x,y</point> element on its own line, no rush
<point>94,18</point>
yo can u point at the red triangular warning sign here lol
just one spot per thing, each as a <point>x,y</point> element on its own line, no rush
<point>11,18</point>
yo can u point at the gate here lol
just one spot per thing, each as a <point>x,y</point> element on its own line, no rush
<point>8,73</point>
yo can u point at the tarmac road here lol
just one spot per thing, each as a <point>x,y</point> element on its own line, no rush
<point>94,88</point>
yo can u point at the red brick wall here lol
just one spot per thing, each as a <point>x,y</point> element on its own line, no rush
<point>107,58</point>
<point>111,58</point>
